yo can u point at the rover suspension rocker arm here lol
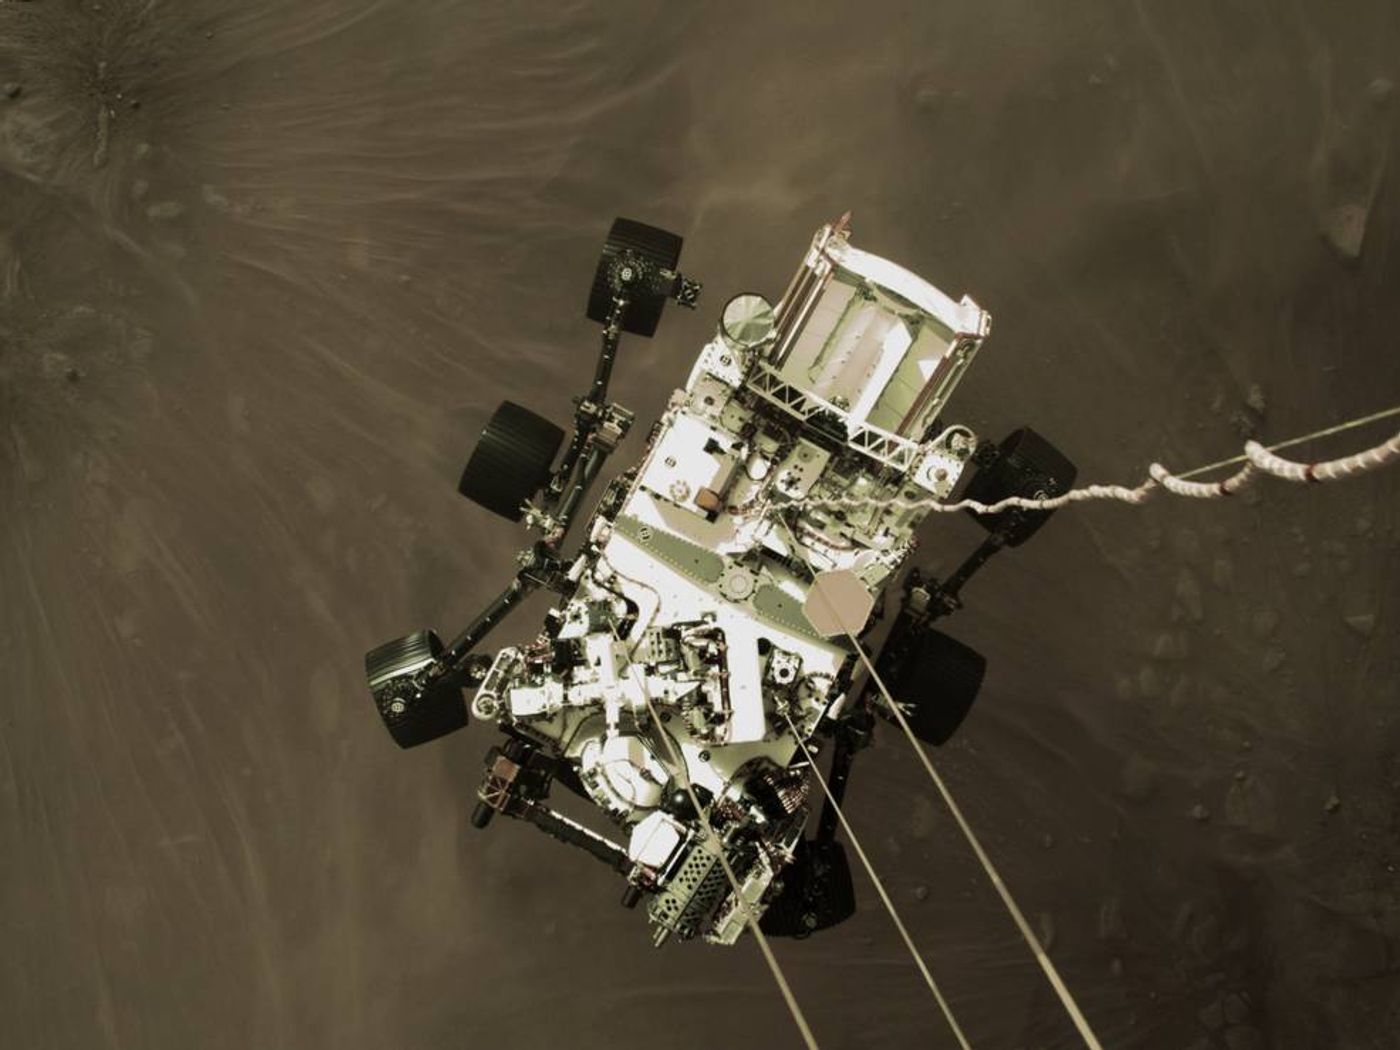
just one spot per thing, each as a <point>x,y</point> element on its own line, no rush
<point>599,425</point>
<point>539,567</point>
<point>853,734</point>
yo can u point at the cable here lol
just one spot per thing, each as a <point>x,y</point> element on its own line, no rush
<point>1259,459</point>
<point>712,839</point>
<point>1350,424</point>
<point>1056,982</point>
<point>880,888</point>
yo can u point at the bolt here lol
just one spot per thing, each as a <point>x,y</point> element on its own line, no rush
<point>704,756</point>
<point>398,707</point>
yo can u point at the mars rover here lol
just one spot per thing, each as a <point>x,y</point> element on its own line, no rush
<point>703,645</point>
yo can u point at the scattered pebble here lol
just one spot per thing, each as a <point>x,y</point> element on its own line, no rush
<point>1265,623</point>
<point>1243,1037</point>
<point>1212,1016</point>
<point>1273,660</point>
<point>104,131</point>
<point>1244,426</point>
<point>1111,925</point>
<point>1188,544</point>
<point>1254,399</point>
<point>1180,693</point>
<point>1047,841</point>
<point>1046,924</point>
<point>1332,804</point>
<point>1116,967</point>
<point>1222,573</point>
<point>1188,593</point>
<point>1200,813</point>
<point>1344,228</point>
<point>1363,624</point>
<point>214,198</point>
<point>1302,569</point>
<point>165,210</point>
<point>1237,1008</point>
<point>921,893</point>
<point>1181,923</point>
<point>72,375</point>
<point>13,89</point>
<point>1149,682</point>
<point>1139,778</point>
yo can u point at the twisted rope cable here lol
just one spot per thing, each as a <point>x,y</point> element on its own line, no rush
<point>1257,459</point>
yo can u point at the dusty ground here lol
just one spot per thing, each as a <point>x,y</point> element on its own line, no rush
<point>265,269</point>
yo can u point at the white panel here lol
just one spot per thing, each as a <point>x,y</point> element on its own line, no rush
<point>679,467</point>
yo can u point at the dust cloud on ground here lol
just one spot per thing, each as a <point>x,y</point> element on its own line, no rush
<point>266,268</point>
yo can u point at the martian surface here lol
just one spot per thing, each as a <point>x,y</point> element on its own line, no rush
<point>267,268</point>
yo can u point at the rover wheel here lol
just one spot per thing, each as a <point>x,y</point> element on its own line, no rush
<point>935,681</point>
<point>1026,465</point>
<point>817,892</point>
<point>413,714</point>
<point>660,248</point>
<point>511,460</point>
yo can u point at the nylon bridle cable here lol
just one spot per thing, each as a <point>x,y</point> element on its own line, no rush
<point>880,889</point>
<point>1052,975</point>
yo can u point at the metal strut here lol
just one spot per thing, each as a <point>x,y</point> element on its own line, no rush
<point>599,425</point>
<point>598,429</point>
<point>853,734</point>
<point>517,781</point>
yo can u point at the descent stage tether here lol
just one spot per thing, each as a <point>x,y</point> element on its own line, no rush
<point>1258,460</point>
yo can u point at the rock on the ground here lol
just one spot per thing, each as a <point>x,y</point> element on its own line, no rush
<point>1244,1037</point>
<point>1344,228</point>
<point>1363,624</point>
<point>165,211</point>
